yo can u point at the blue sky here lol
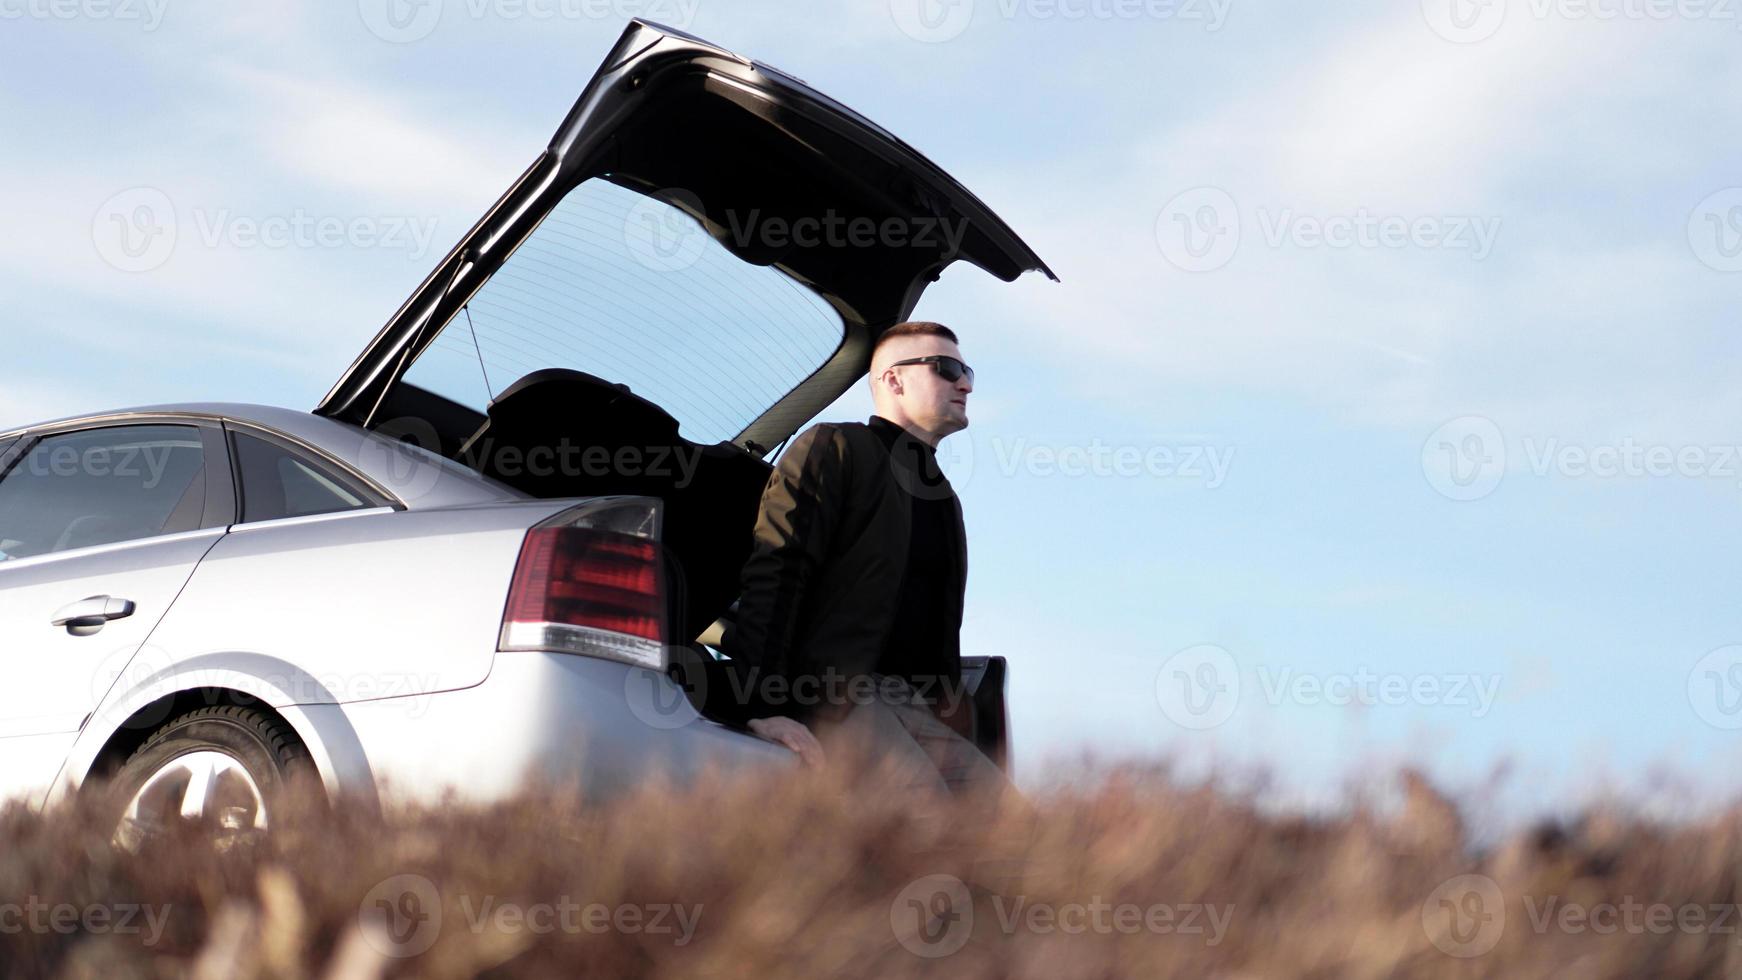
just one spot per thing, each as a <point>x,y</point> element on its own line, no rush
<point>1440,288</point>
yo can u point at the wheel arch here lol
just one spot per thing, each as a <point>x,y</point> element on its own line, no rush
<point>129,717</point>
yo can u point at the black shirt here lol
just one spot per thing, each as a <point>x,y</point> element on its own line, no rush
<point>923,645</point>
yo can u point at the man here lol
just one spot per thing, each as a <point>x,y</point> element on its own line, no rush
<point>850,621</point>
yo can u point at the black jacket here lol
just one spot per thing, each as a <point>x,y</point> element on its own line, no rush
<point>823,581</point>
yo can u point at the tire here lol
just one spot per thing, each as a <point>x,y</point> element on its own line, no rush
<point>248,759</point>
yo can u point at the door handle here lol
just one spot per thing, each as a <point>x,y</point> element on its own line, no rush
<point>87,616</point>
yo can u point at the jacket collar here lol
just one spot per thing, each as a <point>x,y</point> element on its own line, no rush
<point>892,433</point>
<point>916,462</point>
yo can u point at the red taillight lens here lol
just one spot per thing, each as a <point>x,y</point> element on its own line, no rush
<point>575,576</point>
<point>585,584</point>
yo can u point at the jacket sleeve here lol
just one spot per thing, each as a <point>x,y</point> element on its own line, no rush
<point>795,530</point>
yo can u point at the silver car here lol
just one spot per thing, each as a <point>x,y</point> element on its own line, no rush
<point>485,554</point>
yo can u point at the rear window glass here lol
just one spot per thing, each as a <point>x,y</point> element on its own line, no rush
<point>277,483</point>
<point>631,289</point>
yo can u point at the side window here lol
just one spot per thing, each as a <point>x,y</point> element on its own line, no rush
<point>278,482</point>
<point>102,486</point>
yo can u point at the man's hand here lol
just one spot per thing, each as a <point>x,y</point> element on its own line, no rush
<point>793,735</point>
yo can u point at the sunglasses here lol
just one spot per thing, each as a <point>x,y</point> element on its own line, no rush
<point>947,367</point>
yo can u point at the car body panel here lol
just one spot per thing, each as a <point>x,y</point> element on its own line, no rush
<point>55,679</point>
<point>601,726</point>
<point>366,604</point>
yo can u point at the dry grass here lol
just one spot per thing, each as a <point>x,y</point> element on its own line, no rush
<point>810,875</point>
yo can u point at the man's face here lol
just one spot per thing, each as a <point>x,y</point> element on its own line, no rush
<point>934,404</point>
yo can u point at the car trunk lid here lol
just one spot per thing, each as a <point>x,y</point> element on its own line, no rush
<point>753,155</point>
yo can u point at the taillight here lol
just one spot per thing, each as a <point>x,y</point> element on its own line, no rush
<point>589,581</point>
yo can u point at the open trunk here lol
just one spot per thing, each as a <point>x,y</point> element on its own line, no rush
<point>697,264</point>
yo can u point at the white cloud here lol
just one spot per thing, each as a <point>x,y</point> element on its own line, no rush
<point>343,137</point>
<point>1396,123</point>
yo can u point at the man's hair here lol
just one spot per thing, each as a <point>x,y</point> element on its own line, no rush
<point>914,328</point>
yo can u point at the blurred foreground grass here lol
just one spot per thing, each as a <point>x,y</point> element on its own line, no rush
<point>807,874</point>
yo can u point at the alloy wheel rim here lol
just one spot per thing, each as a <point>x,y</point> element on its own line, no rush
<point>204,785</point>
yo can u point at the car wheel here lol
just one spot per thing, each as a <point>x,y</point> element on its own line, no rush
<point>224,766</point>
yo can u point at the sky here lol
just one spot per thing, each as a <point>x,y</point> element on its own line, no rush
<point>1384,415</point>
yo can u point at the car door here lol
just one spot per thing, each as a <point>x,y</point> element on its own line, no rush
<point>100,527</point>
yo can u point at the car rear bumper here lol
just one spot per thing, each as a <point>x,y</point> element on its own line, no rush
<point>565,719</point>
